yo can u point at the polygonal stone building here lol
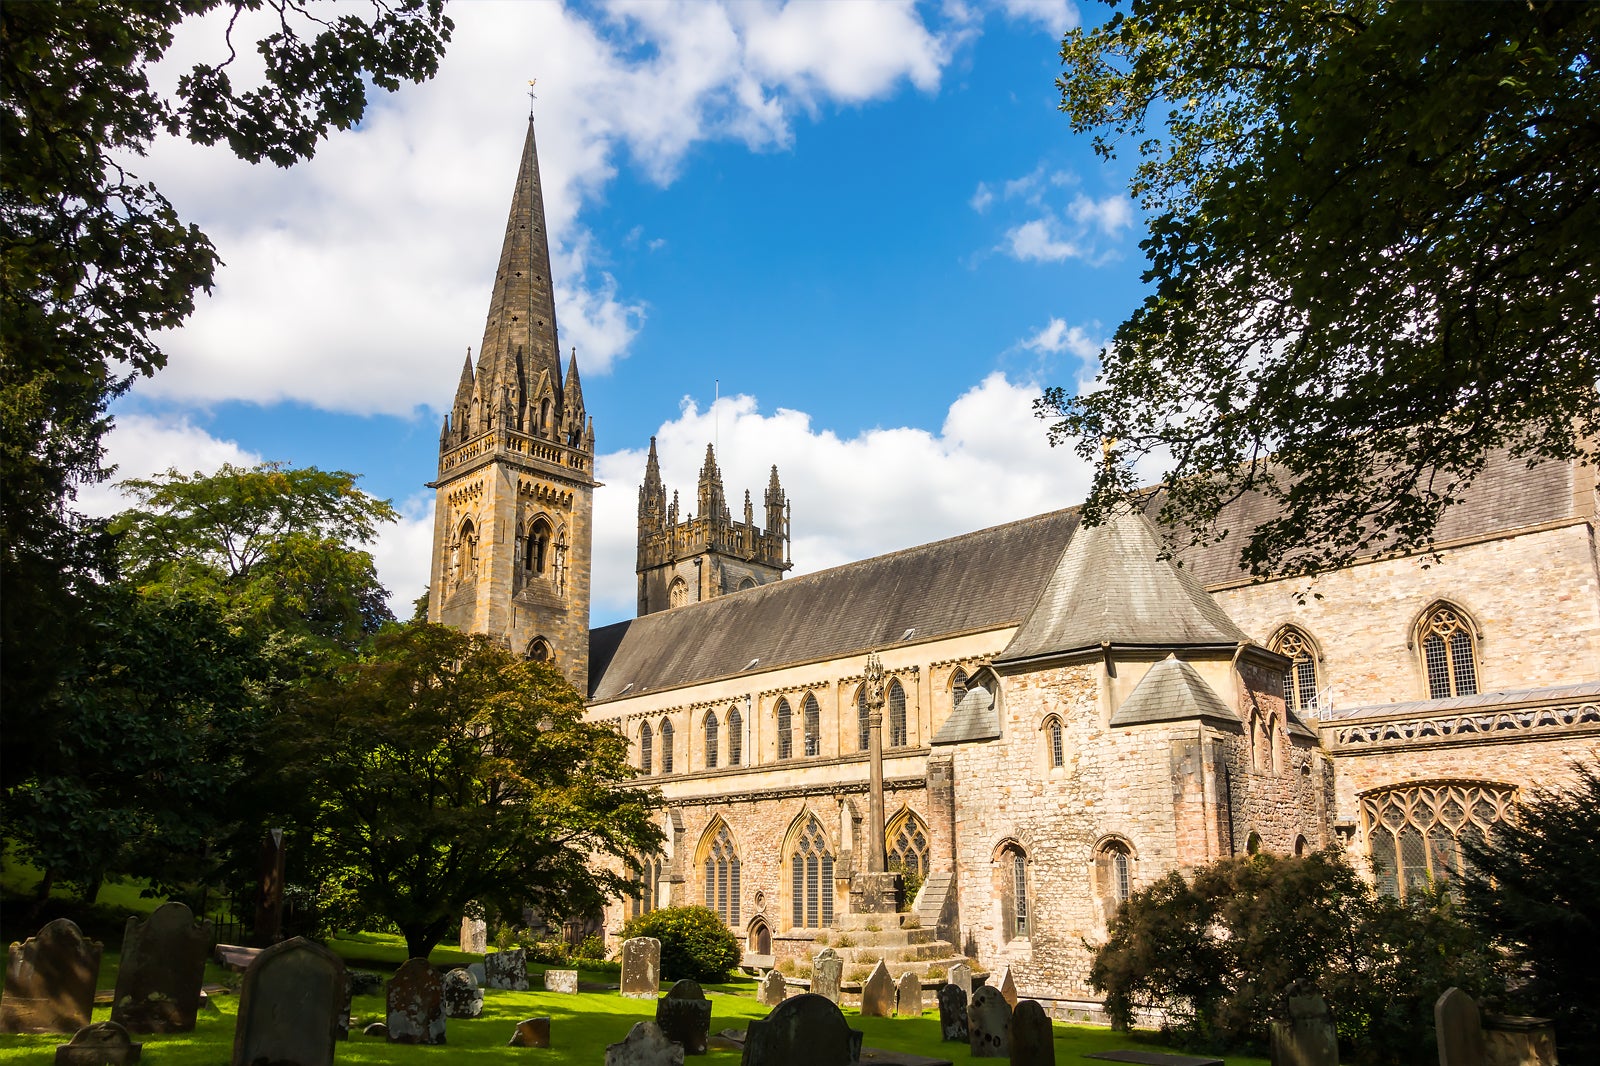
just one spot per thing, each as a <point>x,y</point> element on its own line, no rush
<point>1067,715</point>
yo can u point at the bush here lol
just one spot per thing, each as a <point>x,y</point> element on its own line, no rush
<point>694,942</point>
<point>1219,954</point>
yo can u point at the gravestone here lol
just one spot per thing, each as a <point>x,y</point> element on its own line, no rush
<point>1033,1042</point>
<point>163,965</point>
<point>416,1004</point>
<point>989,1024</point>
<point>1512,1040</point>
<point>1007,986</point>
<point>507,970</point>
<point>877,993</point>
<point>772,991</point>
<point>908,995</point>
<point>1307,1038</point>
<point>50,981</point>
<point>804,1030</point>
<point>478,974</point>
<point>474,935</point>
<point>645,1045</point>
<point>462,996</point>
<point>565,981</point>
<point>1460,1029</point>
<point>289,1005</point>
<point>961,977</point>
<point>684,1014</point>
<point>531,1032</point>
<point>827,974</point>
<point>641,967</point>
<point>100,1044</point>
<point>952,1013</point>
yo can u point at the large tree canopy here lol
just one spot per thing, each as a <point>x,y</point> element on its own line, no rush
<point>1373,244</point>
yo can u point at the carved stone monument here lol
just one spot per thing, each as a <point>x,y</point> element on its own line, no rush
<point>645,1045</point>
<point>1460,1029</point>
<point>506,970</point>
<point>989,1024</point>
<point>416,1004</point>
<point>877,993</point>
<point>641,967</point>
<point>50,980</point>
<point>952,1013</point>
<point>805,1030</point>
<point>684,1014</point>
<point>827,974</point>
<point>289,1005</point>
<point>876,889</point>
<point>772,990</point>
<point>100,1044</point>
<point>1033,1041</point>
<point>163,965</point>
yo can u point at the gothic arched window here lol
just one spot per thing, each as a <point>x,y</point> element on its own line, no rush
<point>539,650</point>
<point>813,725</point>
<point>897,714</point>
<point>678,592</point>
<point>863,727</point>
<point>907,839</point>
<point>1011,877</point>
<point>1055,742</point>
<point>537,549</point>
<point>1414,832</point>
<point>1448,654</point>
<point>735,736</point>
<point>1300,681</point>
<point>644,897</point>
<point>811,871</point>
<point>1114,872</point>
<point>711,740</point>
<point>721,865</point>
<point>785,730</point>
<point>958,687</point>
<point>666,746</point>
<point>466,560</point>
<point>646,748</point>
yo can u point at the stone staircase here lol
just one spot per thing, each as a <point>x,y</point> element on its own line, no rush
<point>899,940</point>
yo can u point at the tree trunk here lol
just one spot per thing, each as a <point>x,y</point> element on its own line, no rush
<point>420,939</point>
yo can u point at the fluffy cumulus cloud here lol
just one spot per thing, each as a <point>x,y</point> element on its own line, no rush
<point>1057,16</point>
<point>321,300</point>
<point>1048,219</point>
<point>1057,337</point>
<point>852,497</point>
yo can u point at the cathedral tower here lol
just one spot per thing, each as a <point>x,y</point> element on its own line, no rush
<point>513,517</point>
<point>707,554</point>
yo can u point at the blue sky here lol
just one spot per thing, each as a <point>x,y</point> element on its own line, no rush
<point>868,222</point>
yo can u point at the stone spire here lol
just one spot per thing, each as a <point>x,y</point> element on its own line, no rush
<point>519,337</point>
<point>776,506</point>
<point>572,402</point>
<point>652,495</point>
<point>713,502</point>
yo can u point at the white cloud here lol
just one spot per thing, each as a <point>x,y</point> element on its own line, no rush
<point>1057,16</point>
<point>403,553</point>
<point>1049,231</point>
<point>141,446</point>
<point>1110,216</point>
<point>881,490</point>
<point>1040,241</point>
<point>982,198</point>
<point>1057,337</point>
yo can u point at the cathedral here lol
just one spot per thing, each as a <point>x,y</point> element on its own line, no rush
<point>1021,725</point>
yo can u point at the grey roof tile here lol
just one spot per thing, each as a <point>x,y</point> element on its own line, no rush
<point>1174,691</point>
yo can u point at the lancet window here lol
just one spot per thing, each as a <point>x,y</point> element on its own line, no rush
<point>958,687</point>
<point>1055,742</point>
<point>735,736</point>
<point>537,547</point>
<point>666,746</point>
<point>721,865</point>
<point>863,727</point>
<point>1114,872</point>
<point>1011,875</point>
<point>1414,833</point>
<point>646,749</point>
<point>813,725</point>
<point>811,873</point>
<point>897,714</point>
<point>711,740</point>
<point>643,900</point>
<point>785,730</point>
<point>1448,653</point>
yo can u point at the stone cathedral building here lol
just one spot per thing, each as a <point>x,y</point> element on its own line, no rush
<point>1067,715</point>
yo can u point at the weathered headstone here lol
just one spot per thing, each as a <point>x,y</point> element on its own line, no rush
<point>827,974</point>
<point>684,1014</point>
<point>531,1032</point>
<point>163,965</point>
<point>646,1045</point>
<point>50,981</point>
<point>474,934</point>
<point>507,970</point>
<point>641,967</point>
<point>805,1030</point>
<point>289,1003</point>
<point>100,1044</point>
<point>1307,1038</point>
<point>416,1004</point>
<point>908,995</point>
<point>772,991</point>
<point>961,977</point>
<point>877,993</point>
<point>1460,1029</point>
<point>1033,1042</point>
<point>1007,987</point>
<point>462,996</point>
<point>565,981</point>
<point>989,1024</point>
<point>952,1013</point>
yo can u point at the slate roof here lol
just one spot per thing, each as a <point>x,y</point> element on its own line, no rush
<point>980,581</point>
<point>1483,701</point>
<point>976,717</point>
<point>1174,691</point>
<point>1112,586</point>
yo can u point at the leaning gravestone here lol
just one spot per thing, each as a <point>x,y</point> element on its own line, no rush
<point>506,970</point>
<point>50,981</point>
<point>827,973</point>
<point>952,1013</point>
<point>1033,1043</point>
<point>908,995</point>
<point>100,1044</point>
<point>961,977</point>
<point>1460,1029</point>
<point>163,965</point>
<point>1007,986</point>
<point>646,1045</point>
<point>416,1004</point>
<point>564,981</point>
<point>641,967</point>
<point>461,995</point>
<point>1308,1037</point>
<point>531,1032</point>
<point>289,1005</point>
<point>806,1030</point>
<point>684,1014</point>
<point>772,991</point>
<point>877,993</point>
<point>989,1024</point>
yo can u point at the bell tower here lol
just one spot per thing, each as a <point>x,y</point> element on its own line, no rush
<point>515,489</point>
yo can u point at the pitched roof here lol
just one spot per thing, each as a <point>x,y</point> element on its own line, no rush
<point>975,717</point>
<point>981,581</point>
<point>1174,691</point>
<point>1112,586</point>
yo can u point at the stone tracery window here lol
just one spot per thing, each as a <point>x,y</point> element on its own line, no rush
<point>785,729</point>
<point>735,736</point>
<point>1448,654</point>
<point>812,714</point>
<point>537,547</point>
<point>897,714</point>
<point>666,746</point>
<point>539,650</point>
<point>643,900</point>
<point>907,838</point>
<point>1414,832</point>
<point>1300,681</point>
<point>677,592</point>
<point>721,865</point>
<point>711,740</point>
<point>811,879</point>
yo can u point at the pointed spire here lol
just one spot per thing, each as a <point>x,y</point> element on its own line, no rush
<point>749,510</point>
<point>572,409</point>
<point>463,392</point>
<point>519,337</point>
<point>652,494</point>
<point>775,505</point>
<point>713,502</point>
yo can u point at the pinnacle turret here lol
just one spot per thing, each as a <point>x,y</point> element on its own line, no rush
<point>777,506</point>
<point>713,503</point>
<point>652,495</point>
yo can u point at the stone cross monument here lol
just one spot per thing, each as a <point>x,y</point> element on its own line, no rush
<point>875,890</point>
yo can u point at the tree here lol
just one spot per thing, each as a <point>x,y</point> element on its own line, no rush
<point>1531,891</point>
<point>444,771</point>
<point>96,262</point>
<point>1372,260</point>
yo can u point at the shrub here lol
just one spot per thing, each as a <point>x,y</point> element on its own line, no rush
<point>694,942</point>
